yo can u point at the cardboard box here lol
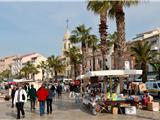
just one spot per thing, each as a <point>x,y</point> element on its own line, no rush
<point>115,110</point>
<point>130,110</point>
<point>153,106</point>
<point>142,87</point>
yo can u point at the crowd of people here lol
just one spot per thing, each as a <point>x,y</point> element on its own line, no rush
<point>21,93</point>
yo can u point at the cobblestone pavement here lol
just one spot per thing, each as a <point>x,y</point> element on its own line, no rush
<point>65,109</point>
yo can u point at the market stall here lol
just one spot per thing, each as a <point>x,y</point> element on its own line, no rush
<point>100,101</point>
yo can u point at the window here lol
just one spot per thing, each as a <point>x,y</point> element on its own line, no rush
<point>154,85</point>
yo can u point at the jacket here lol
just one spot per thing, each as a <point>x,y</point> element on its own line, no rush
<point>22,91</point>
<point>32,93</point>
<point>50,94</point>
<point>42,94</point>
<point>13,93</point>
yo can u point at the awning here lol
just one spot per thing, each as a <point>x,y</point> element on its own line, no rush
<point>118,73</point>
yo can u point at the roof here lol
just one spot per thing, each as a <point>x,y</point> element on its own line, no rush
<point>26,55</point>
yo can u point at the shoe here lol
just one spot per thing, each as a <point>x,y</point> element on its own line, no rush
<point>18,118</point>
<point>23,116</point>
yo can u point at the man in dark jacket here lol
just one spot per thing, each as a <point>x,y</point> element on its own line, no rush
<point>49,99</point>
<point>32,95</point>
<point>12,95</point>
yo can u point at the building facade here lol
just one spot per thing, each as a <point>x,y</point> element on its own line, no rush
<point>20,62</point>
<point>6,62</point>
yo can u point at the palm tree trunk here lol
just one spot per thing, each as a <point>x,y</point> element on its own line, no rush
<point>42,75</point>
<point>120,22</point>
<point>83,58</point>
<point>93,53</point>
<point>159,73</point>
<point>75,70</point>
<point>103,36</point>
<point>55,73</point>
<point>144,73</point>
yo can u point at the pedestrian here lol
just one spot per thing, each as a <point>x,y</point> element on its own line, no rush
<point>49,99</point>
<point>12,95</point>
<point>19,99</point>
<point>71,94</point>
<point>42,94</point>
<point>32,95</point>
<point>59,90</point>
<point>77,93</point>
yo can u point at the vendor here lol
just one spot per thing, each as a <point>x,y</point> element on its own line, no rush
<point>145,99</point>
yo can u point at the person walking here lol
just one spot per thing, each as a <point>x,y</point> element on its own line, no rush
<point>32,95</point>
<point>49,99</point>
<point>19,99</point>
<point>12,95</point>
<point>59,90</point>
<point>42,95</point>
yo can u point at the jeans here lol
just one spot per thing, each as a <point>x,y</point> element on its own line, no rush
<point>42,107</point>
<point>19,106</point>
<point>49,105</point>
<point>32,101</point>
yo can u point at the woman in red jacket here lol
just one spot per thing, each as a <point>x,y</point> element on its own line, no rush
<point>42,94</point>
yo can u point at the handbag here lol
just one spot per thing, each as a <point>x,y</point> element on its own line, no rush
<point>23,96</point>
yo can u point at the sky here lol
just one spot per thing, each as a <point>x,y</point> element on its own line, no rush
<point>27,27</point>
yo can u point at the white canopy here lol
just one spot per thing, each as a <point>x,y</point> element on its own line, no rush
<point>67,79</point>
<point>113,73</point>
<point>79,77</point>
<point>22,80</point>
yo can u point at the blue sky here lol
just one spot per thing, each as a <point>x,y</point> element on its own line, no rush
<point>39,26</point>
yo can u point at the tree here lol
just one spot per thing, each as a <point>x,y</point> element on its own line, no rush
<point>29,69</point>
<point>55,65</point>
<point>101,8</point>
<point>5,74</point>
<point>75,58</point>
<point>92,43</point>
<point>80,35</point>
<point>156,65</point>
<point>117,12</point>
<point>44,67</point>
<point>143,54</point>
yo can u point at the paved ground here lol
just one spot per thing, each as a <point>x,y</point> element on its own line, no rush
<point>65,109</point>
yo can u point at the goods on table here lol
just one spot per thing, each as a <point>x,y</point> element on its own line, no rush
<point>114,110</point>
<point>153,106</point>
<point>150,98</point>
<point>142,87</point>
<point>130,110</point>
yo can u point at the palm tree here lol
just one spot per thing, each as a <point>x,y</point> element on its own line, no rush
<point>5,74</point>
<point>117,12</point>
<point>29,69</point>
<point>75,58</point>
<point>55,65</point>
<point>156,65</point>
<point>80,35</point>
<point>101,8</point>
<point>92,43</point>
<point>143,54</point>
<point>43,66</point>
